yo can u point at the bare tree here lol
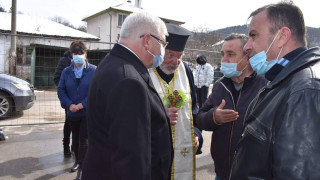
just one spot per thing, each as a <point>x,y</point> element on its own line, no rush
<point>82,28</point>
<point>2,9</point>
<point>201,43</point>
<point>64,21</point>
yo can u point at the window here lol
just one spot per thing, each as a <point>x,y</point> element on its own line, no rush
<point>121,18</point>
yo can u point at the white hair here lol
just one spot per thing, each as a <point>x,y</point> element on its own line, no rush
<point>140,23</point>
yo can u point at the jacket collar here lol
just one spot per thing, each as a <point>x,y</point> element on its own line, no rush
<point>306,57</point>
<point>277,68</point>
<point>131,58</point>
<point>85,68</point>
<point>246,81</point>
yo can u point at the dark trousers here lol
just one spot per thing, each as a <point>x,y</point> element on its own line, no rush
<point>79,138</point>
<point>202,94</point>
<point>66,131</point>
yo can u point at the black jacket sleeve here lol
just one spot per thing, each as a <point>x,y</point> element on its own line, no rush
<point>63,63</point>
<point>197,130</point>
<point>205,116</point>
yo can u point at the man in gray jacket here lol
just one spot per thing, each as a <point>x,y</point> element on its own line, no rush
<point>224,111</point>
<point>281,139</point>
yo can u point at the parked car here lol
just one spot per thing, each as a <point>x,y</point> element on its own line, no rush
<point>15,95</point>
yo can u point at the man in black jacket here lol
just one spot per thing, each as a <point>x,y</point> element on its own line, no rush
<point>128,128</point>
<point>224,110</point>
<point>64,62</point>
<point>281,138</point>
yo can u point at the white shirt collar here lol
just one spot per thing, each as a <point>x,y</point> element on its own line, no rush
<point>130,50</point>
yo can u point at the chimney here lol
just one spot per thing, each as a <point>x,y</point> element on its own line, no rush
<point>138,3</point>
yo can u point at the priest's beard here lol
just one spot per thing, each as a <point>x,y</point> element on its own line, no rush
<point>168,68</point>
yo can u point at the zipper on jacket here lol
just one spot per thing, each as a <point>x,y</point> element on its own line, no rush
<point>232,126</point>
<point>231,133</point>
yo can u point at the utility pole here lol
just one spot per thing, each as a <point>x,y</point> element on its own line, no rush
<point>13,54</point>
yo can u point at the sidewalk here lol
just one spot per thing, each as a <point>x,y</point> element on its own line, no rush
<point>35,152</point>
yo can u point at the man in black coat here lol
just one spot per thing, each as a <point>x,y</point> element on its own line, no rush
<point>223,112</point>
<point>64,62</point>
<point>128,128</point>
<point>281,137</point>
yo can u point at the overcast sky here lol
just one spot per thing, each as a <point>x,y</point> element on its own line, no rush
<point>210,14</point>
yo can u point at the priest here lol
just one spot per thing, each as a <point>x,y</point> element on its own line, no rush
<point>174,82</point>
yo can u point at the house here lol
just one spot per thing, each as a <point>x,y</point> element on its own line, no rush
<point>40,45</point>
<point>106,24</point>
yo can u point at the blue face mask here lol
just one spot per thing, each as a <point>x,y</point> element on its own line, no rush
<point>229,70</point>
<point>259,61</point>
<point>158,60</point>
<point>78,59</point>
<point>260,64</point>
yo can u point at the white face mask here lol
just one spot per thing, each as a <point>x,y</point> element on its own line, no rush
<point>259,61</point>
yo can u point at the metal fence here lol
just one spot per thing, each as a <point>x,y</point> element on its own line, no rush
<point>36,61</point>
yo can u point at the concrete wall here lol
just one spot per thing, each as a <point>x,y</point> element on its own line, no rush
<point>100,27</point>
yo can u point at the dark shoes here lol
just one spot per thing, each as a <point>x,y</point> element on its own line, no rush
<point>79,174</point>
<point>66,152</point>
<point>75,167</point>
<point>2,136</point>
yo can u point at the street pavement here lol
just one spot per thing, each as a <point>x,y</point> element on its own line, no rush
<point>34,152</point>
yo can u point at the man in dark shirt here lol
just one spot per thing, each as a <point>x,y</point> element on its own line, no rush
<point>223,112</point>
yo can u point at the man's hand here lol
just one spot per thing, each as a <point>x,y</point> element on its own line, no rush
<point>173,115</point>
<point>221,115</point>
<point>73,108</point>
<point>196,142</point>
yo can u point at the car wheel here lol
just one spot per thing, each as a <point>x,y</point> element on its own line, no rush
<point>5,105</point>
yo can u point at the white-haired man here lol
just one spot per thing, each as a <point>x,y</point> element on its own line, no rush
<point>128,128</point>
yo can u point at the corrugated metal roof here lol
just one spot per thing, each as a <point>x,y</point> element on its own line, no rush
<point>27,24</point>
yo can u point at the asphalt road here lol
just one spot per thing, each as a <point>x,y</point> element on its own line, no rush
<point>33,149</point>
<point>35,152</point>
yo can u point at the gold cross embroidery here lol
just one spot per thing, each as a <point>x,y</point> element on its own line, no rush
<point>184,152</point>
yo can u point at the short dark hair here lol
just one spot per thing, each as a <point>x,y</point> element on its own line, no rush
<point>78,47</point>
<point>285,14</point>
<point>243,38</point>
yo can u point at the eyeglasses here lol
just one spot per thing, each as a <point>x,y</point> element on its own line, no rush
<point>164,44</point>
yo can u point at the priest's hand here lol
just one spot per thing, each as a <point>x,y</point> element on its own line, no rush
<point>173,115</point>
<point>196,142</point>
<point>221,115</point>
